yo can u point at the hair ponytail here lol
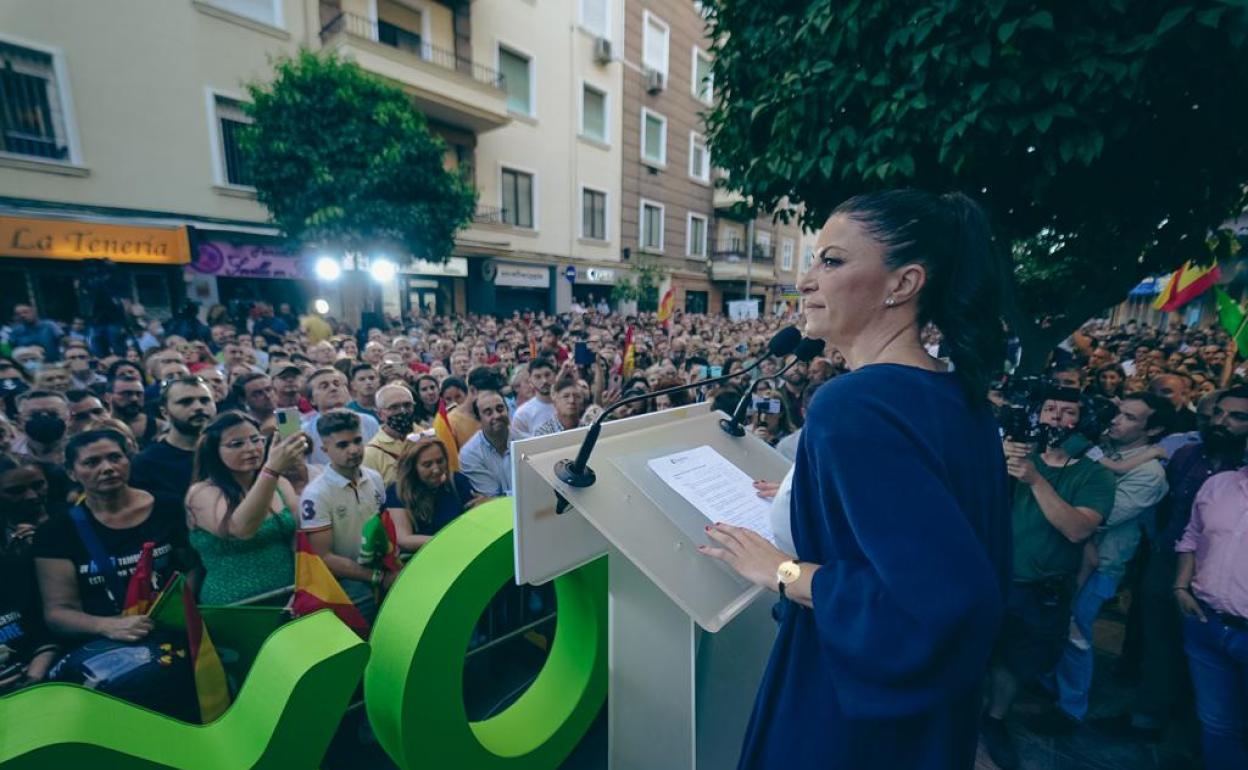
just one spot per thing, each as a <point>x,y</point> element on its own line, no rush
<point>963,296</point>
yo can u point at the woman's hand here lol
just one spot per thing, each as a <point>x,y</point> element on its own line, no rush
<point>747,552</point>
<point>127,628</point>
<point>766,489</point>
<point>288,453</point>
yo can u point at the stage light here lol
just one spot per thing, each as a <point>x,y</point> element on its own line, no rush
<point>321,306</point>
<point>383,270</point>
<point>328,268</point>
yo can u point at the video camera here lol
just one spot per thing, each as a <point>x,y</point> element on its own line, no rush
<point>1020,415</point>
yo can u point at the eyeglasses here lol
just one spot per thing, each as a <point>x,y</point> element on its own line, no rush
<point>240,443</point>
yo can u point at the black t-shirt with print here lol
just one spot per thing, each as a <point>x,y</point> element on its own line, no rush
<point>165,527</point>
<point>22,632</point>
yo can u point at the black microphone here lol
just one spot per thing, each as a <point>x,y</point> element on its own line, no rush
<point>806,352</point>
<point>577,473</point>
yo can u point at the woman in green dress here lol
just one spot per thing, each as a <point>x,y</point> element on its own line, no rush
<point>238,511</point>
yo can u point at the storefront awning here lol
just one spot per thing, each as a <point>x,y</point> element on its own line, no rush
<point>75,240</point>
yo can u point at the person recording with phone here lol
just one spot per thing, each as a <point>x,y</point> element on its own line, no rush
<point>900,509</point>
<point>772,420</point>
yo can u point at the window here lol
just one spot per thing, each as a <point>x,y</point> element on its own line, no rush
<point>654,47</point>
<point>808,258</point>
<point>596,17</point>
<point>264,11</point>
<point>762,245</point>
<point>651,226</point>
<point>695,301</point>
<point>653,138</point>
<point>32,116</point>
<point>703,79</point>
<point>517,198</point>
<point>699,158</point>
<point>786,254</point>
<point>403,27</point>
<point>593,113</point>
<point>593,214</point>
<point>517,79</point>
<point>695,240</point>
<point>230,120</point>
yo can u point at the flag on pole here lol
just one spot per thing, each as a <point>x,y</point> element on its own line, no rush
<point>1186,284</point>
<point>1231,316</point>
<point>442,427</point>
<point>177,610</point>
<point>141,590</point>
<point>666,306</point>
<point>316,588</point>
<point>629,359</point>
<point>380,546</point>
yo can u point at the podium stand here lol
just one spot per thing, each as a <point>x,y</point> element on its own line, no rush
<point>689,638</point>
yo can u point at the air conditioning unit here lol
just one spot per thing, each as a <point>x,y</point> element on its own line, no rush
<point>655,81</point>
<point>602,50</point>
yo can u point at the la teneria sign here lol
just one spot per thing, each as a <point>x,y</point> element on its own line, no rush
<point>75,240</point>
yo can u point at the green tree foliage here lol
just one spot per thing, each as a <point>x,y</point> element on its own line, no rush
<point>1106,137</point>
<point>344,161</point>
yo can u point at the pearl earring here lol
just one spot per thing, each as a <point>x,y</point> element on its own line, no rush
<point>890,302</point>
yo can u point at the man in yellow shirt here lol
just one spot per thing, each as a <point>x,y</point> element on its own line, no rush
<point>317,329</point>
<point>396,412</point>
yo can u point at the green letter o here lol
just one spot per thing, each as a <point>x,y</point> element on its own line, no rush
<point>413,684</point>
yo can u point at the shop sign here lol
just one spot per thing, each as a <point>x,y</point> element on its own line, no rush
<point>570,273</point>
<point>525,276</point>
<point>455,267</point>
<point>76,240</point>
<point>600,275</point>
<point>227,259</point>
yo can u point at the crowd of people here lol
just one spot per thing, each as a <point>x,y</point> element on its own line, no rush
<point>209,446</point>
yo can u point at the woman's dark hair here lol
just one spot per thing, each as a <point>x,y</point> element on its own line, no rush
<point>421,413</point>
<point>76,443</point>
<point>949,235</point>
<point>208,465</point>
<point>452,382</point>
<point>1122,379</point>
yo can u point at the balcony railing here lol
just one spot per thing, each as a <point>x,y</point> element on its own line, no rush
<point>488,215</point>
<point>410,42</point>
<point>734,251</point>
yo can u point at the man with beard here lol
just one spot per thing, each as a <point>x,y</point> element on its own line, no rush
<point>541,407</point>
<point>795,381</point>
<point>254,394</point>
<point>486,458</point>
<point>1163,676</point>
<point>164,468</point>
<point>396,409</point>
<point>125,398</point>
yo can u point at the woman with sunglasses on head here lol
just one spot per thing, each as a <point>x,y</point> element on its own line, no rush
<point>237,511</point>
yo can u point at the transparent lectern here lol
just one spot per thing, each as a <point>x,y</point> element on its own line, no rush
<point>689,638</point>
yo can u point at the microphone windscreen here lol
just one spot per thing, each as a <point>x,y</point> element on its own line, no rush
<point>784,341</point>
<point>808,349</point>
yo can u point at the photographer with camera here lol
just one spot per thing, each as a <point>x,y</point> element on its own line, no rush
<point>1060,498</point>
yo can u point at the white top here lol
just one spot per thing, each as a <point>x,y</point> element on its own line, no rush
<point>331,501</point>
<point>530,416</point>
<point>781,515</point>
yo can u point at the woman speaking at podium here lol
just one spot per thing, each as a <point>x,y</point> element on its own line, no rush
<point>900,513</point>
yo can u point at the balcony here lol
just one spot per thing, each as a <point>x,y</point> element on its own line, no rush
<point>723,198</point>
<point>729,262</point>
<point>446,87</point>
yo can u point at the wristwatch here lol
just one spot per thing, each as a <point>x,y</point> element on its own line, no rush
<point>787,573</point>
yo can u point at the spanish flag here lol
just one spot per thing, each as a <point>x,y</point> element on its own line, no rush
<point>630,355</point>
<point>141,590</point>
<point>666,306</point>
<point>316,588</point>
<point>210,684</point>
<point>1186,284</point>
<point>442,427</point>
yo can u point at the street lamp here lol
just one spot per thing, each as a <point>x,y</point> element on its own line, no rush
<point>321,306</point>
<point>383,270</point>
<point>328,268</point>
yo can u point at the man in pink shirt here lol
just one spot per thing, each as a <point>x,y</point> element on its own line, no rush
<point>1211,588</point>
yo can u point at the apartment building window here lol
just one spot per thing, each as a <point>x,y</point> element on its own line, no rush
<point>32,117</point>
<point>517,79</point>
<point>703,79</point>
<point>695,240</point>
<point>593,214</point>
<point>762,244</point>
<point>786,254</point>
<point>517,198</point>
<point>699,158</point>
<point>596,17</point>
<point>402,26</point>
<point>651,226</point>
<point>654,44</point>
<point>264,11</point>
<point>808,258</point>
<point>653,138</point>
<point>593,114</point>
<point>231,119</point>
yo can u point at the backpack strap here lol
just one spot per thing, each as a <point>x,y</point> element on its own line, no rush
<point>101,562</point>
